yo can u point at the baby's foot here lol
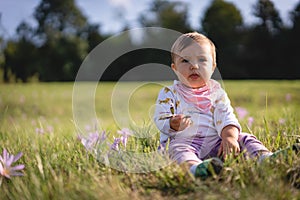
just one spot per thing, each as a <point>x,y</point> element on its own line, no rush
<point>282,152</point>
<point>208,168</point>
<point>296,148</point>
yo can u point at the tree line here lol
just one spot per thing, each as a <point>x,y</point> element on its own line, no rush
<point>63,37</point>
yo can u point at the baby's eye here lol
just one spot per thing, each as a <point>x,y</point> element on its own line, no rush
<point>202,60</point>
<point>184,61</point>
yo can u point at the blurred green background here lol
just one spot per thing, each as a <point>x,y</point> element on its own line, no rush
<point>62,36</point>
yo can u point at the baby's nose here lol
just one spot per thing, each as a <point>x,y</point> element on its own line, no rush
<point>194,66</point>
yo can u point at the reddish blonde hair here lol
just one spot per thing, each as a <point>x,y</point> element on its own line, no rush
<point>187,39</point>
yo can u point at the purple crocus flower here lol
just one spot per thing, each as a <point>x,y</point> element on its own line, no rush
<point>90,141</point>
<point>241,112</point>
<point>50,129</point>
<point>42,131</point>
<point>115,145</point>
<point>250,121</point>
<point>103,136</point>
<point>39,131</point>
<point>93,137</point>
<point>6,168</point>
<point>125,132</point>
<point>281,121</point>
<point>288,97</point>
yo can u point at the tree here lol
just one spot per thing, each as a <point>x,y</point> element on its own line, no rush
<point>61,59</point>
<point>91,34</point>
<point>2,60</point>
<point>292,45</point>
<point>55,49</point>
<point>2,47</point>
<point>222,22</point>
<point>21,55</point>
<point>55,17</point>
<point>268,15</point>
<point>171,15</point>
<point>295,18</point>
<point>61,27</point>
<point>263,55</point>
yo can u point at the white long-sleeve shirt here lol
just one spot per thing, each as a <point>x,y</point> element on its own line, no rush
<point>210,111</point>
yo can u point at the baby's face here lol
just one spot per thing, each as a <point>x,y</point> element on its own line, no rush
<point>194,65</point>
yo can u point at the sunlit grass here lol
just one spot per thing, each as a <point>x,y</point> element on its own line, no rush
<point>37,119</point>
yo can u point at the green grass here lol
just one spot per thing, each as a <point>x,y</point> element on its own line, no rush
<point>57,165</point>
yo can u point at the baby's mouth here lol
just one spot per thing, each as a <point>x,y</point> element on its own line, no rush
<point>194,76</point>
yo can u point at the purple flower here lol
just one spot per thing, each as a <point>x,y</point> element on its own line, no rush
<point>241,112</point>
<point>115,145</point>
<point>125,132</point>
<point>50,129</point>
<point>39,131</point>
<point>42,131</point>
<point>92,139</point>
<point>288,97</point>
<point>6,168</point>
<point>281,121</point>
<point>103,136</point>
<point>250,121</point>
<point>79,137</point>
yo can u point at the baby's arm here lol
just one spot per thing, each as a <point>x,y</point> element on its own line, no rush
<point>226,124</point>
<point>229,144</point>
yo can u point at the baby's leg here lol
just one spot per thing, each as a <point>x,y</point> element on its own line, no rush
<point>253,147</point>
<point>186,151</point>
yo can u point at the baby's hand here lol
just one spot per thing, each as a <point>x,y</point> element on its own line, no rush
<point>229,144</point>
<point>180,122</point>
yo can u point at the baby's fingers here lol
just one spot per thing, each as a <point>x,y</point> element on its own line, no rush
<point>233,151</point>
<point>185,122</point>
<point>220,151</point>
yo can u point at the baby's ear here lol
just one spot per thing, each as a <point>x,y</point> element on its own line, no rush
<point>214,65</point>
<point>173,66</point>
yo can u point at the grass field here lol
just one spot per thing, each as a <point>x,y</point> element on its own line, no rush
<point>37,120</point>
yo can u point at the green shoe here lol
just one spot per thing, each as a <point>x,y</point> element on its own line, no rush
<point>284,152</point>
<point>296,148</point>
<point>208,168</point>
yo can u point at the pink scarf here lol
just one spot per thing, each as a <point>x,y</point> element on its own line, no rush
<point>200,98</point>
